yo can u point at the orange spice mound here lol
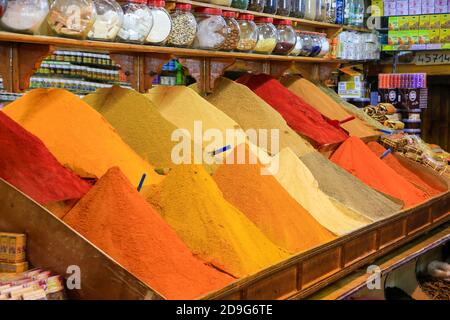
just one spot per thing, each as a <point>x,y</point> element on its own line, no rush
<point>120,222</point>
<point>404,171</point>
<point>357,158</point>
<point>264,201</point>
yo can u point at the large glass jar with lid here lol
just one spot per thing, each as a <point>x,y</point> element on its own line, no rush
<point>249,33</point>
<point>267,36</point>
<point>330,11</point>
<point>307,45</point>
<point>23,16</point>
<point>137,22</point>
<point>162,23</point>
<point>310,9</point>
<point>284,8</point>
<point>232,39</point>
<point>324,45</point>
<point>271,6</point>
<point>240,4</point>
<point>109,21</point>
<point>256,5</point>
<point>286,37</point>
<point>72,18</point>
<point>320,10</point>
<point>298,8</point>
<point>212,29</point>
<point>184,26</point>
<point>316,45</point>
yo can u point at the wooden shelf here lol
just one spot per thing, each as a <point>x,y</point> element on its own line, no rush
<point>352,28</point>
<point>114,47</point>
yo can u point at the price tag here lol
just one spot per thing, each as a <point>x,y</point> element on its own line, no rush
<point>432,58</point>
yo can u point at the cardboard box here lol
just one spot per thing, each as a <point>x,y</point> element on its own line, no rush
<point>424,37</point>
<point>390,8</point>
<point>445,36</point>
<point>12,247</point>
<point>445,21</point>
<point>435,22</point>
<point>393,38</point>
<point>415,7</point>
<point>403,23</point>
<point>424,22</point>
<point>402,7</point>
<point>13,267</point>
<point>413,37</point>
<point>377,8</point>
<point>393,23</point>
<point>403,38</point>
<point>435,36</point>
<point>413,22</point>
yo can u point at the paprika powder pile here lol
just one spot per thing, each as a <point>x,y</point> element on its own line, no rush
<point>121,223</point>
<point>299,115</point>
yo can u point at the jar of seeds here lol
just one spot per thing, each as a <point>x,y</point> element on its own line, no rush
<point>249,33</point>
<point>184,26</point>
<point>233,36</point>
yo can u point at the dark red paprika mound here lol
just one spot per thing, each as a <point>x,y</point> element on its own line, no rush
<point>299,115</point>
<point>26,163</point>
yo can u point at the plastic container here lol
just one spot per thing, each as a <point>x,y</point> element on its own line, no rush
<point>267,36</point>
<point>298,8</point>
<point>256,5</point>
<point>162,23</point>
<point>307,44</point>
<point>23,16</point>
<point>109,20</point>
<point>233,36</point>
<point>310,9</point>
<point>286,37</point>
<point>137,22</point>
<point>184,27</point>
<point>271,7</point>
<point>240,4</point>
<point>284,8</point>
<point>298,46</point>
<point>212,29</point>
<point>249,33</point>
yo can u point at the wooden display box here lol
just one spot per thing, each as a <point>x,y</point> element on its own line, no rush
<point>55,246</point>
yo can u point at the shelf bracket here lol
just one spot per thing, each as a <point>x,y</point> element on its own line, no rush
<point>23,59</point>
<point>153,64</point>
<point>278,68</point>
<point>131,66</point>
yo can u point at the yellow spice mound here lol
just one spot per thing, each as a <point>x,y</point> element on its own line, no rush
<point>190,201</point>
<point>77,135</point>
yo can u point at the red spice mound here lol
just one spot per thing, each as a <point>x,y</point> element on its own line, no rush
<point>115,217</point>
<point>355,157</point>
<point>404,171</point>
<point>299,115</point>
<point>26,163</point>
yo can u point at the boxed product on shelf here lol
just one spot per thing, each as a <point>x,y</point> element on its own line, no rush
<point>18,267</point>
<point>12,247</point>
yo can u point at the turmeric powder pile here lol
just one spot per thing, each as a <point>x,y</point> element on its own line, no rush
<point>216,231</point>
<point>77,135</point>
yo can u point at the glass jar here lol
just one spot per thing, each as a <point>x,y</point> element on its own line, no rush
<point>23,16</point>
<point>320,10</point>
<point>212,29</point>
<point>267,36</point>
<point>310,9</point>
<point>307,45</point>
<point>256,5</point>
<point>240,4</point>
<point>298,45</point>
<point>184,27</point>
<point>298,8</point>
<point>316,45</point>
<point>109,20</point>
<point>232,39</point>
<point>72,18</point>
<point>249,33</point>
<point>330,11</point>
<point>284,8</point>
<point>324,46</point>
<point>162,23</point>
<point>137,22</point>
<point>271,6</point>
<point>286,37</point>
